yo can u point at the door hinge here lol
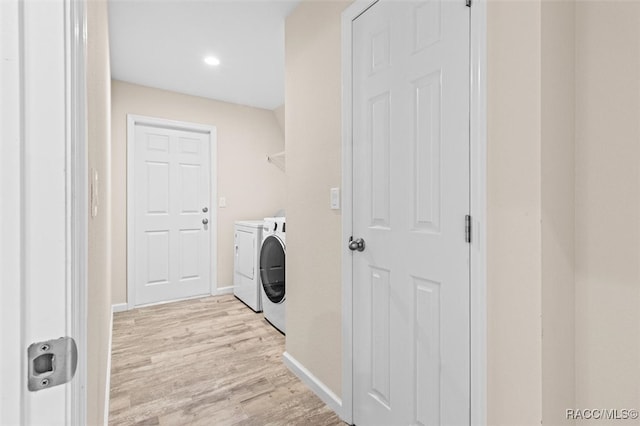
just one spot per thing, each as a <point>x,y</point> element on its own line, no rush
<point>467,228</point>
<point>468,3</point>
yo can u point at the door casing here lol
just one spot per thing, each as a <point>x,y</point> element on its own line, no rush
<point>132,121</point>
<point>478,149</point>
<point>43,161</point>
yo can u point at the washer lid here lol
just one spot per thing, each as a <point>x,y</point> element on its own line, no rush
<point>272,268</point>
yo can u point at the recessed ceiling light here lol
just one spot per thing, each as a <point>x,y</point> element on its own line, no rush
<point>212,60</point>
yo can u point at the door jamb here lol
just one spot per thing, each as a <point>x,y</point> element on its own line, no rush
<point>15,116</point>
<point>77,205</point>
<point>132,121</point>
<point>478,171</point>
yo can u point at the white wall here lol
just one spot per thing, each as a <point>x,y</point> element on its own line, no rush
<point>99,267</point>
<point>253,187</point>
<point>574,67</point>
<point>514,256</point>
<point>558,210</point>
<point>313,135</point>
<point>279,112</point>
<point>607,220</point>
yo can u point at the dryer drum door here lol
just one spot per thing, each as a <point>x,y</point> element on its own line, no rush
<point>272,257</point>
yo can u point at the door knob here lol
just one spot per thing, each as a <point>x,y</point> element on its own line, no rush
<point>205,221</point>
<point>204,210</point>
<point>356,244</point>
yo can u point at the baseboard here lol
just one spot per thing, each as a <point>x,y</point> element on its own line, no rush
<point>324,393</point>
<point>119,307</point>
<point>222,290</point>
<point>218,292</point>
<point>107,391</point>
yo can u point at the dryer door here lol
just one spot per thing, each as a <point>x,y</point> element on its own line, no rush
<point>272,258</point>
<point>245,252</point>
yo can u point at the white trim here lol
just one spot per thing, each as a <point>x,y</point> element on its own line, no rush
<point>12,363</point>
<point>478,142</point>
<point>77,201</point>
<point>24,103</point>
<point>122,307</point>
<point>222,291</point>
<point>353,11</point>
<point>478,175</point>
<point>167,302</point>
<point>132,121</point>
<point>213,208</point>
<point>324,393</point>
<point>107,386</point>
<point>119,307</point>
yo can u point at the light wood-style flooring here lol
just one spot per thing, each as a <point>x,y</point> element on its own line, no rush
<point>209,361</point>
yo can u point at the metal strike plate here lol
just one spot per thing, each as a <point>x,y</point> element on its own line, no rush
<point>51,363</point>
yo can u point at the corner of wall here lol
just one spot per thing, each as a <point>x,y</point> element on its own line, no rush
<point>279,113</point>
<point>99,227</point>
<point>313,148</point>
<point>514,305</point>
<point>558,210</point>
<point>607,204</point>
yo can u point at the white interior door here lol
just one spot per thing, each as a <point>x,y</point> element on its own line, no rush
<point>411,195</point>
<point>171,204</point>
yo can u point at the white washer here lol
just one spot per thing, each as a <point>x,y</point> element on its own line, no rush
<point>246,266</point>
<point>272,271</point>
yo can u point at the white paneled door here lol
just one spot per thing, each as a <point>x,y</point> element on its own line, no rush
<point>410,199</point>
<point>171,206</point>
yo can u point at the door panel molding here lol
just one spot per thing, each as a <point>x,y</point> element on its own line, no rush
<point>136,120</point>
<point>477,206</point>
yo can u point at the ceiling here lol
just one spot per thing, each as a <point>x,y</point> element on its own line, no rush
<point>163,43</point>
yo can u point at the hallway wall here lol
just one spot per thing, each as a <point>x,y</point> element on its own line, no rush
<point>563,204</point>
<point>558,210</point>
<point>313,133</point>
<point>99,244</point>
<point>514,255</point>
<point>607,219</point>
<point>253,187</point>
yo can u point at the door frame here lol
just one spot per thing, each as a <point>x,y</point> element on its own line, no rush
<point>24,43</point>
<point>478,189</point>
<point>132,121</point>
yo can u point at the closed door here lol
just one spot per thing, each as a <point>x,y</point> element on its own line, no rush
<point>172,233</point>
<point>411,196</point>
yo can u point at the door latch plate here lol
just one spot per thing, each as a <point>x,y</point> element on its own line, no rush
<point>51,363</point>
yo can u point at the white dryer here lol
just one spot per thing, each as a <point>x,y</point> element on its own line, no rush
<point>272,271</point>
<point>246,266</point>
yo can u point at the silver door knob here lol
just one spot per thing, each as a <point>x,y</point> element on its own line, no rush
<point>204,210</point>
<point>205,221</point>
<point>356,244</point>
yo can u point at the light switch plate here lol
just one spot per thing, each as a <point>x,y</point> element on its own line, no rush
<point>335,198</point>
<point>222,203</point>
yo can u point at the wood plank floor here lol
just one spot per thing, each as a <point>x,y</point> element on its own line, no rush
<point>209,361</point>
